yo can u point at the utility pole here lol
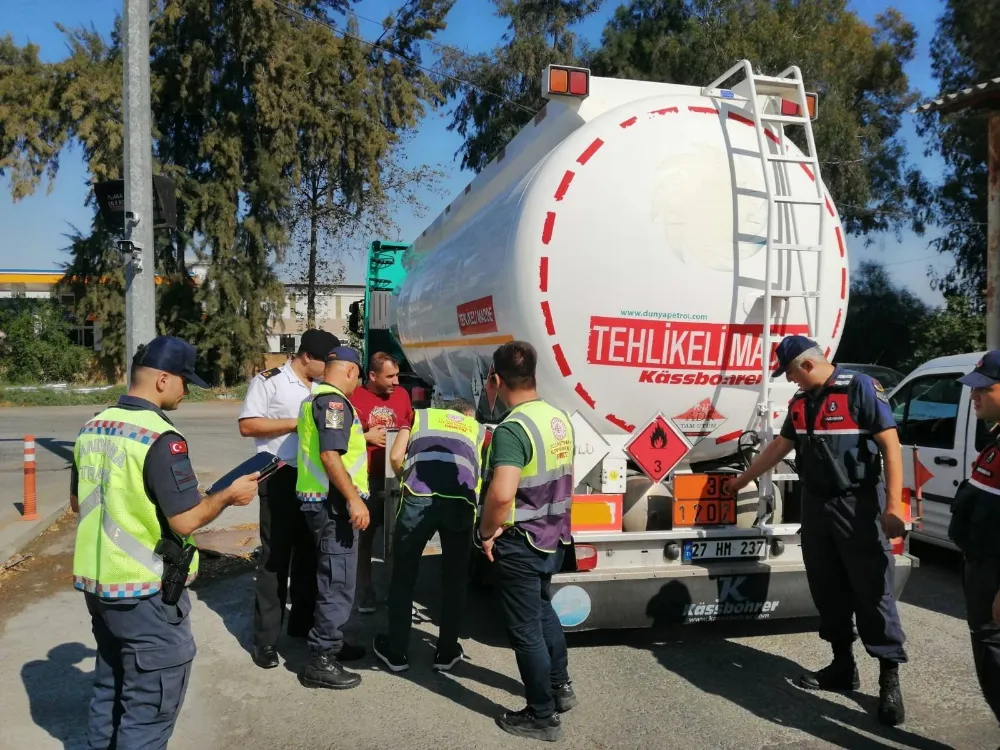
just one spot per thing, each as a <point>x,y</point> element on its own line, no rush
<point>140,269</point>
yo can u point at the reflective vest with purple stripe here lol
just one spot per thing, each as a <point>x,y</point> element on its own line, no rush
<point>443,456</point>
<point>545,493</point>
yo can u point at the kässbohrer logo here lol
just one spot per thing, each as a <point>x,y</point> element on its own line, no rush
<point>732,604</point>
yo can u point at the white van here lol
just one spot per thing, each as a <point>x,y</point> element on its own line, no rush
<point>938,428</point>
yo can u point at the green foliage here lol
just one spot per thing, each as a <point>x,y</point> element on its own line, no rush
<point>254,104</point>
<point>96,278</point>
<point>888,325</point>
<point>349,177</point>
<point>884,322</point>
<point>964,52</point>
<point>105,397</point>
<point>35,347</point>
<point>857,70</point>
<point>956,328</point>
<point>538,34</point>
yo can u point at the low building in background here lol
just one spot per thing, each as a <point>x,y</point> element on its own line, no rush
<point>332,308</point>
<point>332,311</point>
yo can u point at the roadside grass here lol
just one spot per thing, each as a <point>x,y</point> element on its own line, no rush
<point>72,397</point>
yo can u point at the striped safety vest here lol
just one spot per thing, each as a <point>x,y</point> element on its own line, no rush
<point>443,456</point>
<point>118,527</point>
<point>545,493</point>
<point>312,485</point>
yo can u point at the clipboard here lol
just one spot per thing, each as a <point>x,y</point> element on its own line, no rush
<point>264,462</point>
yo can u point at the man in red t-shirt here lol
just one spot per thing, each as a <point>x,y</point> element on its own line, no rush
<point>381,405</point>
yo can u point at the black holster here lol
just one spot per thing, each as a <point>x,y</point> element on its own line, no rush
<point>176,565</point>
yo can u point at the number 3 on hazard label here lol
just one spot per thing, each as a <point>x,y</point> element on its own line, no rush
<point>658,466</point>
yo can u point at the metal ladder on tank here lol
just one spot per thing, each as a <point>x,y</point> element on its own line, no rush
<point>786,85</point>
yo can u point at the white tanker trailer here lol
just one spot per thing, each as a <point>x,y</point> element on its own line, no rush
<point>640,235</point>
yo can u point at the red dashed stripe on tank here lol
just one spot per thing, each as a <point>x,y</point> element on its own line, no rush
<point>564,185</point>
<point>548,230</point>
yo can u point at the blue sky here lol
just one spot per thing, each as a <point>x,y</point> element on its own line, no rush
<point>34,228</point>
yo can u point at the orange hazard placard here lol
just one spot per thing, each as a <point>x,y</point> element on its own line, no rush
<point>699,501</point>
<point>596,513</point>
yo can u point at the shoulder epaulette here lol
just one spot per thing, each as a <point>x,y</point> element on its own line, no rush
<point>844,378</point>
<point>270,373</point>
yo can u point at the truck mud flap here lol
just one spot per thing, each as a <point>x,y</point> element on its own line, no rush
<point>724,597</point>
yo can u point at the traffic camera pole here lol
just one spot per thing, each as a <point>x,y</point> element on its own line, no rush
<point>140,269</point>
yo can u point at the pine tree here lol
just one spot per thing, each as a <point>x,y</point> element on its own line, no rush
<point>857,70</point>
<point>230,91</point>
<point>507,89</point>
<point>964,52</point>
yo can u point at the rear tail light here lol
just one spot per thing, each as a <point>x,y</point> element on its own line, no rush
<point>898,547</point>
<point>562,80</point>
<point>792,109</point>
<point>586,557</point>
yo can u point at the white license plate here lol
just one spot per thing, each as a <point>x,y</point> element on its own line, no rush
<point>722,549</point>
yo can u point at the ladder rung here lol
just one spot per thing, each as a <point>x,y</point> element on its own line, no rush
<point>802,201</point>
<point>791,158</point>
<point>768,86</point>
<point>785,294</point>
<point>786,119</point>
<point>792,83</point>
<point>796,248</point>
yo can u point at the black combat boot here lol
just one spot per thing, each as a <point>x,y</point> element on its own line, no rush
<point>524,723</point>
<point>840,675</point>
<point>564,697</point>
<point>890,698</point>
<point>323,671</point>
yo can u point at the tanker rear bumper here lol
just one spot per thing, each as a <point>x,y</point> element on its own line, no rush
<point>691,594</point>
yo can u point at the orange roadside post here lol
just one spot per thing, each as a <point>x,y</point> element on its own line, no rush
<point>30,511</point>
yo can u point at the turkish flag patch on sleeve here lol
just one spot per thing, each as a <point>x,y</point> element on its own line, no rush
<point>177,447</point>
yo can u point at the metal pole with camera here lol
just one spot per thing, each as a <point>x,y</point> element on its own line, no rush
<point>137,246</point>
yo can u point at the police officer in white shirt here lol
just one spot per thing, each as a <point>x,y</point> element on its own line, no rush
<point>269,415</point>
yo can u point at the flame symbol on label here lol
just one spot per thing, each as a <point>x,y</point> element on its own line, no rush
<point>659,438</point>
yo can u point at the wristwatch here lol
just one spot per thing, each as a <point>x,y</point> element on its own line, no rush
<point>477,537</point>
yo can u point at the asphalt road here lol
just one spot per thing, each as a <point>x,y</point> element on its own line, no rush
<point>210,429</point>
<point>713,687</point>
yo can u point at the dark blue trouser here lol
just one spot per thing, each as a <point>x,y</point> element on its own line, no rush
<point>850,570</point>
<point>418,518</point>
<point>981,583</point>
<point>336,575</point>
<point>523,578</point>
<point>144,654</point>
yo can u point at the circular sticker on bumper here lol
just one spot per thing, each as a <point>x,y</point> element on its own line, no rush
<point>572,605</point>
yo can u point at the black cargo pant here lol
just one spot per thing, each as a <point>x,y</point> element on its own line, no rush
<point>287,548</point>
<point>850,570</point>
<point>417,520</point>
<point>981,582</point>
<point>523,582</point>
